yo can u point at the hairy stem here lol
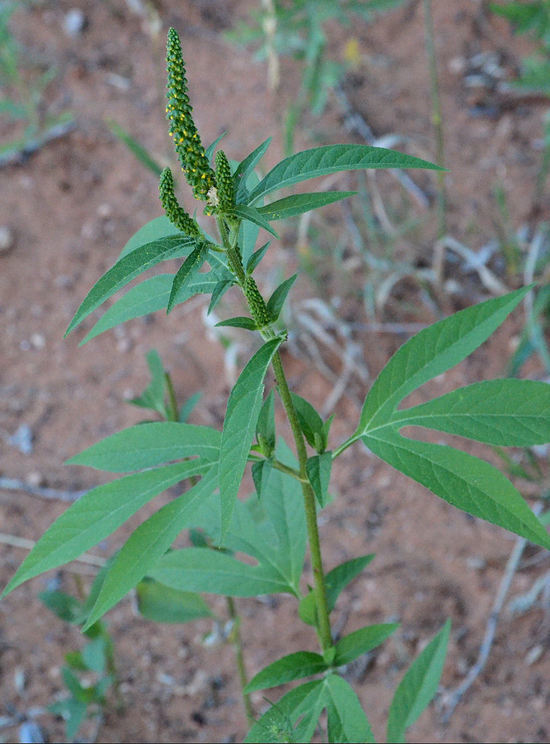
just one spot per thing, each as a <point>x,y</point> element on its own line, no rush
<point>320,591</point>
<point>172,409</point>
<point>239,656</point>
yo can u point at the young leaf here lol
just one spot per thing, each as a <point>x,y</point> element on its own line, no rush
<point>513,413</point>
<point>277,299</point>
<point>93,655</point>
<point>213,572</point>
<point>146,445</point>
<point>73,711</point>
<point>260,475</point>
<point>185,274</point>
<point>64,606</point>
<point>163,604</point>
<point>418,686</point>
<point>336,580</point>
<point>245,168</point>
<point>361,641</point>
<point>209,152</point>
<point>243,408</point>
<point>297,204</point>
<point>127,268</point>
<point>462,480</point>
<point>318,471</point>
<point>147,544</point>
<point>256,257</point>
<point>153,396</point>
<point>147,297</point>
<point>186,408</point>
<point>310,421</point>
<point>218,292</point>
<point>96,515</point>
<point>240,321</point>
<point>255,216</point>
<point>431,352</point>
<point>248,235</point>
<point>265,426</point>
<point>294,666</point>
<point>347,721</point>
<point>135,147</point>
<point>320,161</point>
<point>279,723</point>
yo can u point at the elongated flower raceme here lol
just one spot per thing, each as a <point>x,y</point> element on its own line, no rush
<point>176,214</point>
<point>192,156</point>
<point>256,303</point>
<point>224,182</point>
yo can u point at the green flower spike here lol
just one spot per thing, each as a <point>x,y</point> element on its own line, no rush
<point>176,214</point>
<point>224,181</point>
<point>256,303</point>
<point>198,172</point>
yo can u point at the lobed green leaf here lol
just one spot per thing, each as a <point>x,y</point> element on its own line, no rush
<point>418,686</point>
<point>163,604</point>
<point>96,515</point>
<point>281,722</point>
<point>347,721</point>
<point>462,480</point>
<point>361,641</point>
<point>321,161</point>
<point>146,445</point>
<point>430,353</point>
<point>147,544</point>
<point>147,297</point>
<point>294,666</point>
<point>513,413</point>
<point>127,268</point>
<point>215,572</point>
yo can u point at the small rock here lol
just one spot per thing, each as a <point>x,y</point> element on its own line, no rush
<point>38,340</point>
<point>74,22</point>
<point>7,239</point>
<point>534,654</point>
<point>22,439</point>
<point>35,479</point>
<point>19,679</point>
<point>105,210</point>
<point>124,345</point>
<point>31,733</point>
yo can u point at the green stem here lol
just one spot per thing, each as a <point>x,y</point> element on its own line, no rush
<point>320,590</point>
<point>239,656</point>
<point>172,410</point>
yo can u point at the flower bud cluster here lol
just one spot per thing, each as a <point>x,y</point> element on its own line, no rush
<point>256,302</point>
<point>198,172</point>
<point>224,182</point>
<point>176,214</point>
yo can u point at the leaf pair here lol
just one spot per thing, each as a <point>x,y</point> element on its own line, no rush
<point>503,412</point>
<point>294,717</point>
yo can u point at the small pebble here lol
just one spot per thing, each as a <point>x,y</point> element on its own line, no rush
<point>31,733</point>
<point>38,340</point>
<point>534,654</point>
<point>22,439</point>
<point>35,479</point>
<point>7,239</point>
<point>74,22</point>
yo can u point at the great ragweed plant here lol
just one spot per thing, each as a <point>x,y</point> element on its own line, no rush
<point>277,525</point>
